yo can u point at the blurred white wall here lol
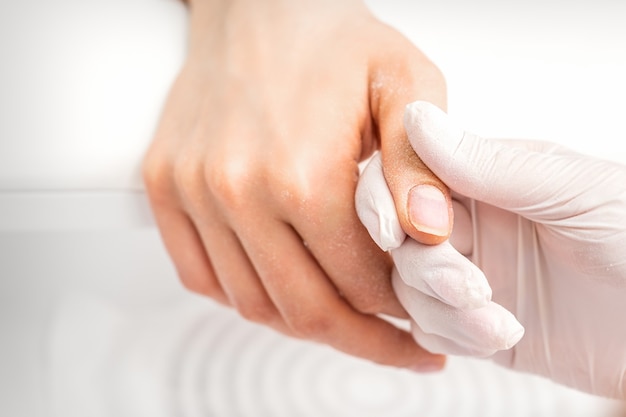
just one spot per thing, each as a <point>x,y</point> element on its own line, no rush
<point>532,69</point>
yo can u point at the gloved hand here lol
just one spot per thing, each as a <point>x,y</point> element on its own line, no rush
<point>546,225</point>
<point>447,296</point>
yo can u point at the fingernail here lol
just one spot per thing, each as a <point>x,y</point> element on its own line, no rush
<point>428,210</point>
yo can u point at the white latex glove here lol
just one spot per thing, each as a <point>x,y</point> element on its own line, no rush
<point>546,225</point>
<point>446,295</point>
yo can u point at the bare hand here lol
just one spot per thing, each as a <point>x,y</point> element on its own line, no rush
<point>253,170</point>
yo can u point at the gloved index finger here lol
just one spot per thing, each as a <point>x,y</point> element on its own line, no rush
<point>441,272</point>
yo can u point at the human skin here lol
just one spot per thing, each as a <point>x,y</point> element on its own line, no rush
<point>252,172</point>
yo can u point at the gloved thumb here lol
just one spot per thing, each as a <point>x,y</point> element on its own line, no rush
<point>519,176</point>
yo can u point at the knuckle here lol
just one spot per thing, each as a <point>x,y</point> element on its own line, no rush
<point>314,190</point>
<point>201,285</point>
<point>229,181</point>
<point>258,312</point>
<point>156,173</point>
<point>311,326</point>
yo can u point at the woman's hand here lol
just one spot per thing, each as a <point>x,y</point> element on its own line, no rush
<point>252,173</point>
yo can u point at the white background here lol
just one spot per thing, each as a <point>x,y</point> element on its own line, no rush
<point>92,320</point>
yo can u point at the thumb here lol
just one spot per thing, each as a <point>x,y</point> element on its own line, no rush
<point>525,177</point>
<point>422,201</point>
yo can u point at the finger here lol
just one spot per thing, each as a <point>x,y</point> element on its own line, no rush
<point>238,277</point>
<point>311,306</point>
<point>230,263</point>
<point>483,330</point>
<point>187,252</point>
<point>441,272</point>
<point>422,201</point>
<point>375,206</point>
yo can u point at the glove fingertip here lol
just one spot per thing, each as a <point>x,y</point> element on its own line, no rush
<point>515,334</point>
<point>375,207</point>
<point>391,234</point>
<point>501,329</point>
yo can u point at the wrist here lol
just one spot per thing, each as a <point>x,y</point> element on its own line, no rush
<point>273,10</point>
<point>268,24</point>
